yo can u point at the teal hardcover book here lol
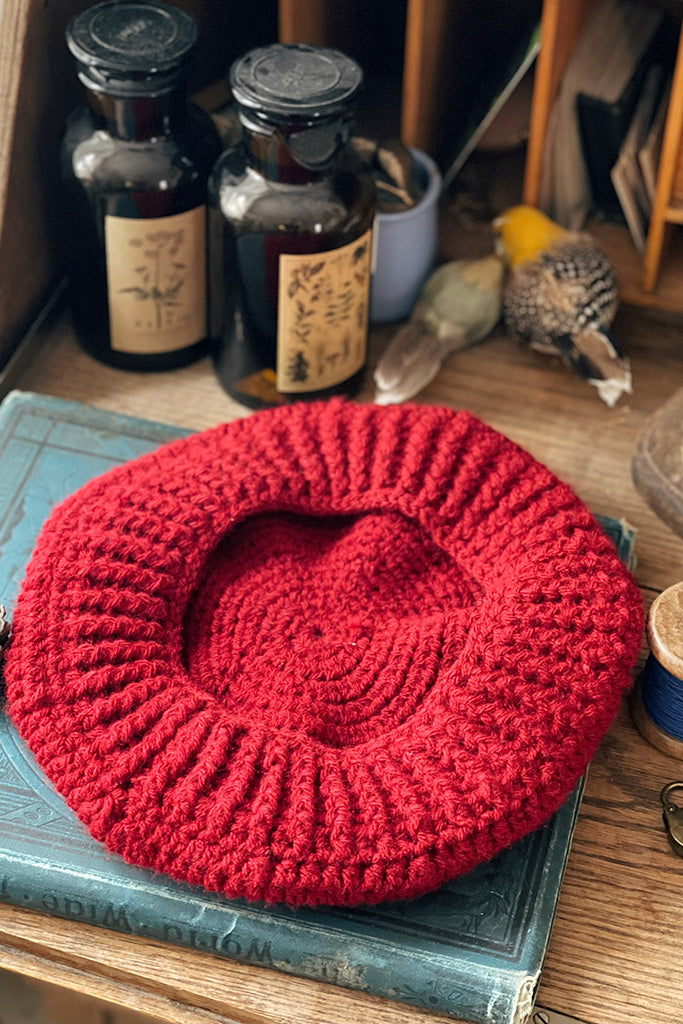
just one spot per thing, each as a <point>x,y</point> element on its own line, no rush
<point>473,949</point>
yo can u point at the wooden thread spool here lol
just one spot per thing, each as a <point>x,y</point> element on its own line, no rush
<point>657,706</point>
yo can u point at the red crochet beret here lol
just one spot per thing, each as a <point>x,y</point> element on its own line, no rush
<point>329,653</point>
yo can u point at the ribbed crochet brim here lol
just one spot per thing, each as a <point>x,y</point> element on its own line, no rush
<point>328,653</point>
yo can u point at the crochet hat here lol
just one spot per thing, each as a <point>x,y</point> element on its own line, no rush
<point>329,653</point>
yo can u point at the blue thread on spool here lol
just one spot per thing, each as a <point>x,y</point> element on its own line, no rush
<point>662,694</point>
<point>658,700</point>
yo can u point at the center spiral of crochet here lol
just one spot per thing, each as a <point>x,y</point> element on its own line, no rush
<point>352,647</point>
<point>329,653</point>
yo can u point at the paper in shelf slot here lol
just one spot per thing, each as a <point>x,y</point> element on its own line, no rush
<point>627,177</point>
<point>604,126</point>
<point>651,148</point>
<point>596,100</point>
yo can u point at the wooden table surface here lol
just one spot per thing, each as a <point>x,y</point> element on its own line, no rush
<point>615,950</point>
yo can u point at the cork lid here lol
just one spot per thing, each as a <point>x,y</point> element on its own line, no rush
<point>665,629</point>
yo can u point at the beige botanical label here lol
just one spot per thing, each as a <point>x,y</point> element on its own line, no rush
<point>156,274</point>
<point>323,316</point>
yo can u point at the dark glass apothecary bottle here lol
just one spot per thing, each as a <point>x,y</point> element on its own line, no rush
<point>298,207</point>
<point>135,165</point>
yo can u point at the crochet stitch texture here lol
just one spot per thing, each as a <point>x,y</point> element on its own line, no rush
<point>329,653</point>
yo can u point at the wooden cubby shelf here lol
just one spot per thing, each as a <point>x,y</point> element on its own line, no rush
<point>655,278</point>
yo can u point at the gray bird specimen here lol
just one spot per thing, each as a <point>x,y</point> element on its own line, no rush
<point>459,305</point>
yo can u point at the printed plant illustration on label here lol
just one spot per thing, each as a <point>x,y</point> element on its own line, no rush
<point>160,277</point>
<point>322,316</point>
<point>157,301</point>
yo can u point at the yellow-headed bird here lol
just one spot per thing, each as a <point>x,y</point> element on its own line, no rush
<point>561,297</point>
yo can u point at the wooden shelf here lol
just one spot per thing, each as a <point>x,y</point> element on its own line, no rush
<point>668,295</point>
<point>674,214</point>
<point>655,278</point>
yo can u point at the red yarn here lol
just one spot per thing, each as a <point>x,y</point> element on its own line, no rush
<point>329,653</point>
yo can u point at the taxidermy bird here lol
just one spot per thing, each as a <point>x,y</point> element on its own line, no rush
<point>459,305</point>
<point>561,297</point>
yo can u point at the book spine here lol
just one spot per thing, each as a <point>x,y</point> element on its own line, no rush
<point>430,980</point>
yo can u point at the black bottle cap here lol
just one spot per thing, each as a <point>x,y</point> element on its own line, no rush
<point>295,81</point>
<point>128,48</point>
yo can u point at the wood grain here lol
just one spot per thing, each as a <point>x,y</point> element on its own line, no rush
<point>38,87</point>
<point>644,280</point>
<point>561,25</point>
<point>305,23</point>
<point>666,176</point>
<point>177,986</point>
<point>24,253</point>
<point>615,947</point>
<point>426,24</point>
<point>64,1006</point>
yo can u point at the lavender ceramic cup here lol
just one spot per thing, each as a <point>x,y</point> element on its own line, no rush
<point>405,249</point>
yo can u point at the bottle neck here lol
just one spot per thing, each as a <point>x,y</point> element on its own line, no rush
<point>295,155</point>
<point>136,118</point>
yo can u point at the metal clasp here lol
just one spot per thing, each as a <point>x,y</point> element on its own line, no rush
<point>673,816</point>
<point>5,626</point>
